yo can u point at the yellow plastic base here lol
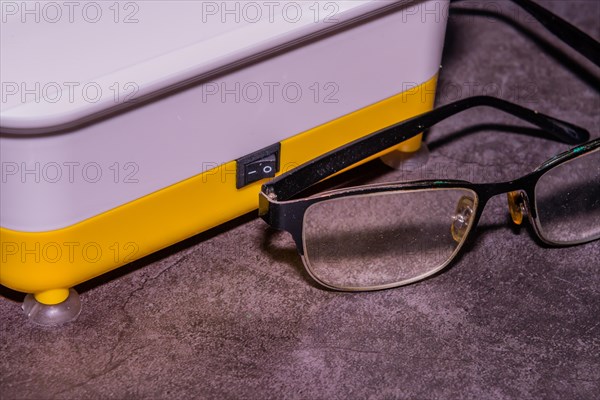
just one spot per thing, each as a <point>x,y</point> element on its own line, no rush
<point>45,263</point>
<point>52,296</point>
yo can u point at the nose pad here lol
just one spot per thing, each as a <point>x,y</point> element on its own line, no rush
<point>462,218</point>
<point>516,206</point>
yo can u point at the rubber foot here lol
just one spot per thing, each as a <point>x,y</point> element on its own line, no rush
<point>54,314</point>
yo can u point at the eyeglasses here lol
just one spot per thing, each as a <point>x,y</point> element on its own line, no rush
<point>387,235</point>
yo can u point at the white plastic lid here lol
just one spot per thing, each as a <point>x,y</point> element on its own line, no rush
<point>63,62</point>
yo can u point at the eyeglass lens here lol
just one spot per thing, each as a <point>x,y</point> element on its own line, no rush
<point>568,201</point>
<point>385,238</point>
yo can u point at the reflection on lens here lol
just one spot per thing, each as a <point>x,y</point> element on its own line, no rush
<point>386,238</point>
<point>568,201</point>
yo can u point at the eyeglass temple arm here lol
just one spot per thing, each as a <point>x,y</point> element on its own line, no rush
<point>302,177</point>
<point>573,36</point>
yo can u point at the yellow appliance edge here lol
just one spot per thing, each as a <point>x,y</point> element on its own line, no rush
<point>48,263</point>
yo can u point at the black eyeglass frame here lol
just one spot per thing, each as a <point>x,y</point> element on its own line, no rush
<point>289,215</point>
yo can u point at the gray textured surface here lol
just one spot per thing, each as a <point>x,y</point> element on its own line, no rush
<point>232,314</point>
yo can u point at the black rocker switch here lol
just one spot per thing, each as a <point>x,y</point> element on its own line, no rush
<point>263,168</point>
<point>259,165</point>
